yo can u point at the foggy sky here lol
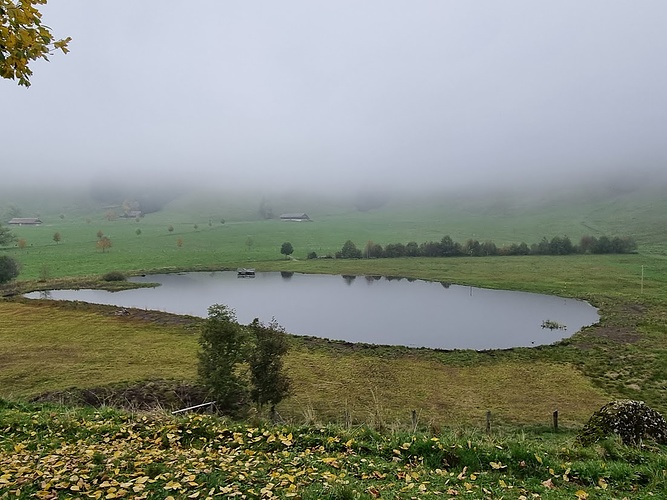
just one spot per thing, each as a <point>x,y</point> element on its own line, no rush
<point>343,93</point>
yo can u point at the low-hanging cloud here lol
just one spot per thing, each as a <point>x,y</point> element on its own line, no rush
<point>434,93</point>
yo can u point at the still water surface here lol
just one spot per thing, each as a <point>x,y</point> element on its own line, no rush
<point>373,310</point>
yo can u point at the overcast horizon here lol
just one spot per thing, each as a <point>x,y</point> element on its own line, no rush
<point>390,94</point>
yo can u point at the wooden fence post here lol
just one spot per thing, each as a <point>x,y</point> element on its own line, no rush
<point>555,418</point>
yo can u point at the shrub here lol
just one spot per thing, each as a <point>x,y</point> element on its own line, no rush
<point>114,276</point>
<point>9,269</point>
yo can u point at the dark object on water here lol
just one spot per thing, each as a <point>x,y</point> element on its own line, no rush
<point>633,421</point>
<point>245,273</point>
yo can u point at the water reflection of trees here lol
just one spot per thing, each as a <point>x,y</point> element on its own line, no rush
<point>348,278</point>
<point>286,275</point>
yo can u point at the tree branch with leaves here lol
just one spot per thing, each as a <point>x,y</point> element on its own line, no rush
<point>24,39</point>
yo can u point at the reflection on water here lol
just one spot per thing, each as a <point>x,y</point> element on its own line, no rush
<point>371,309</point>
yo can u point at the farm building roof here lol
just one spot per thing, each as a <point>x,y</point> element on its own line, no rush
<point>25,220</point>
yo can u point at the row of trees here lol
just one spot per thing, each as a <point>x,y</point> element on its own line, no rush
<point>242,364</point>
<point>446,247</point>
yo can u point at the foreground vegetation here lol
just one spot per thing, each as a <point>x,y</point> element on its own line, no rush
<point>52,452</point>
<point>408,422</point>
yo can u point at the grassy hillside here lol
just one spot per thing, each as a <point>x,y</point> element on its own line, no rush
<point>199,239</point>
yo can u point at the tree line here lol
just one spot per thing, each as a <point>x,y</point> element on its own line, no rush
<point>446,247</point>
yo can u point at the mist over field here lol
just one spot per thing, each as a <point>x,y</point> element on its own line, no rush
<point>343,97</point>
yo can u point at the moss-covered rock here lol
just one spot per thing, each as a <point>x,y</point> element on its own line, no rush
<point>632,420</point>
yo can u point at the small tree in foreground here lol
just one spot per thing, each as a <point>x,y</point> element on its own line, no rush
<point>270,384</point>
<point>222,343</point>
<point>56,237</point>
<point>227,348</point>
<point>9,269</point>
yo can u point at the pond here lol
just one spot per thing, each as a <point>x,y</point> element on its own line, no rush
<point>374,310</point>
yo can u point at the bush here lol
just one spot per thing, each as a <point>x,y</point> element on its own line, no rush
<point>9,269</point>
<point>114,276</point>
<point>633,421</point>
<point>311,255</point>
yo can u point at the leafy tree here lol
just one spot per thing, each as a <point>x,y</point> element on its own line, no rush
<point>179,242</point>
<point>412,249</point>
<point>473,248</point>
<point>430,249</point>
<point>104,243</point>
<point>138,231</point>
<point>223,350</point>
<point>23,39</point>
<point>349,251</point>
<point>287,249</point>
<point>99,234</point>
<point>393,250</point>
<point>56,237</point>
<point>541,248</point>
<point>560,246</point>
<point>603,245</point>
<point>489,248</point>
<point>270,383</point>
<point>623,245</point>
<point>311,255</point>
<point>449,248</point>
<point>170,228</point>
<point>373,250</point>
<point>9,268</point>
<point>587,243</point>
<point>6,236</point>
<point>22,243</point>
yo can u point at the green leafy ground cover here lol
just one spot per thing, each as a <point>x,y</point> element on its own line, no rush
<point>52,452</point>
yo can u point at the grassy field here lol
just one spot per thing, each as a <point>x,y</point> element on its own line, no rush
<point>55,346</point>
<point>207,243</point>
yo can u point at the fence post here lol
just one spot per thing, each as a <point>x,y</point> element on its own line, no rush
<point>488,422</point>
<point>555,418</point>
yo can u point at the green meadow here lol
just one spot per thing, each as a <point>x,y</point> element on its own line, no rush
<point>61,346</point>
